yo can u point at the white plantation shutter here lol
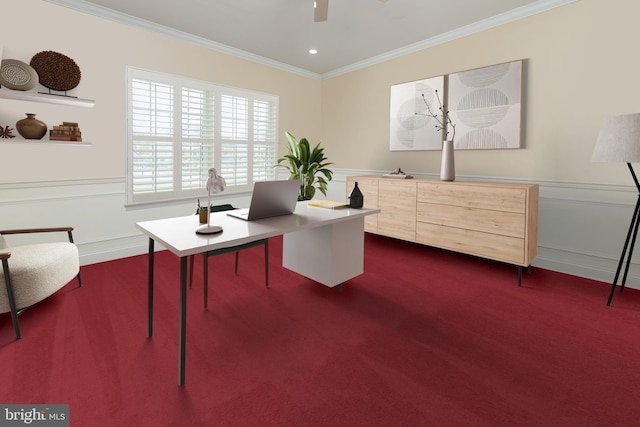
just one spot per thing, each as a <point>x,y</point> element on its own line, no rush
<point>197,137</point>
<point>179,128</point>
<point>234,133</point>
<point>152,168</point>
<point>264,135</point>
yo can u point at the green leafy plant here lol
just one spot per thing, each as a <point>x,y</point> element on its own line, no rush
<point>306,164</point>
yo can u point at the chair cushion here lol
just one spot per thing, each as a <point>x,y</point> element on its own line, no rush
<point>37,271</point>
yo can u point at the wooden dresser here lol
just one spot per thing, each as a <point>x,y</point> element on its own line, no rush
<point>494,220</point>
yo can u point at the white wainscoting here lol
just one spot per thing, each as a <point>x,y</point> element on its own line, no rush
<point>582,227</point>
<point>104,227</point>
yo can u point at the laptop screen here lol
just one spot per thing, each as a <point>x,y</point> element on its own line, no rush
<point>269,199</point>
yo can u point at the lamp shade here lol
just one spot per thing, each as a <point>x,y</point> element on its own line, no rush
<point>215,182</point>
<point>618,140</point>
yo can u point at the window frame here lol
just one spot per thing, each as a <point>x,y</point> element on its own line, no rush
<point>255,168</point>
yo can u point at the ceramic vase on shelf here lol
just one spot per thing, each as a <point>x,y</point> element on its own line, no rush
<point>30,127</point>
<point>356,199</point>
<point>447,167</point>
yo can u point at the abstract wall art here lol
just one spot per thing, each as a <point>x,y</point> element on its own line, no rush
<point>410,127</point>
<point>485,105</point>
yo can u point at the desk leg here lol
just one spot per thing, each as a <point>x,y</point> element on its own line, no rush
<point>150,295</point>
<point>183,320</point>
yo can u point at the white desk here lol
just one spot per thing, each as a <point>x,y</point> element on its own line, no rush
<point>325,245</point>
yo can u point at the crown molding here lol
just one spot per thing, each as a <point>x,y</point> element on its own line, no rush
<point>486,24</point>
<point>495,21</point>
<point>103,12</point>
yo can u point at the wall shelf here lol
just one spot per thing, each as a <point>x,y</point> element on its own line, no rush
<point>45,98</point>
<point>41,142</point>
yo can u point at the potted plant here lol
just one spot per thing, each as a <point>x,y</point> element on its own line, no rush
<point>306,164</point>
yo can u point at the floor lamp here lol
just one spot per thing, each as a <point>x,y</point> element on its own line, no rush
<point>619,141</point>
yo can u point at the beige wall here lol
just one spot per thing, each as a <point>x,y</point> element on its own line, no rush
<point>103,49</point>
<point>581,65</point>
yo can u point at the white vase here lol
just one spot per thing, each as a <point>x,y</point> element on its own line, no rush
<point>447,167</point>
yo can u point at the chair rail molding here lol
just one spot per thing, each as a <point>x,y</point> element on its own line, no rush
<point>582,226</point>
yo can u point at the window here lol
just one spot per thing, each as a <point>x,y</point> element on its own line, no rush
<point>179,128</point>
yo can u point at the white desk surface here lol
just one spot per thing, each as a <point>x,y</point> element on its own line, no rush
<point>179,234</point>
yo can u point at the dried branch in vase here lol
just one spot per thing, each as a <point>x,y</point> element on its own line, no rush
<point>443,120</point>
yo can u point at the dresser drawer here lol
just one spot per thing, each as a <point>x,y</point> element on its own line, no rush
<point>474,196</point>
<point>487,245</point>
<point>488,221</point>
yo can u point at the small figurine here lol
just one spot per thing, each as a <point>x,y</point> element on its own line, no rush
<point>6,132</point>
<point>398,174</point>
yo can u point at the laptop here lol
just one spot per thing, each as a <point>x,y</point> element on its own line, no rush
<point>269,199</point>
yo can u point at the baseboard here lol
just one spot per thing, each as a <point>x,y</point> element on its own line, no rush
<point>115,248</point>
<point>581,265</point>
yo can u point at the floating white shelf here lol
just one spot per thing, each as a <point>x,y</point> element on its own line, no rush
<point>17,141</point>
<point>46,98</point>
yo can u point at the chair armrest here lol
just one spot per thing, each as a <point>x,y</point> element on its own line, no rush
<point>36,230</point>
<point>67,230</point>
<point>5,255</point>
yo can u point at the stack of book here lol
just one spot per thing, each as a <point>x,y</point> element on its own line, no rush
<point>67,131</point>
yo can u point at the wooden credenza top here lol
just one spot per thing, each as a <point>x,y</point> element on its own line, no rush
<point>474,183</point>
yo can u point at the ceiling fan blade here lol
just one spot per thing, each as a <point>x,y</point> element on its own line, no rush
<point>320,10</point>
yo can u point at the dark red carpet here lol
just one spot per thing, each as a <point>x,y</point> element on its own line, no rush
<point>423,338</point>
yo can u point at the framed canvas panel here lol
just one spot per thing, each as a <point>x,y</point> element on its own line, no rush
<point>485,106</point>
<point>411,127</point>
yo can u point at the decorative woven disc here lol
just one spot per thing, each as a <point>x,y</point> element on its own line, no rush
<point>55,70</point>
<point>16,74</point>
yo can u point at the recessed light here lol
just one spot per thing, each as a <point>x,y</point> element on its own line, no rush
<point>313,51</point>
